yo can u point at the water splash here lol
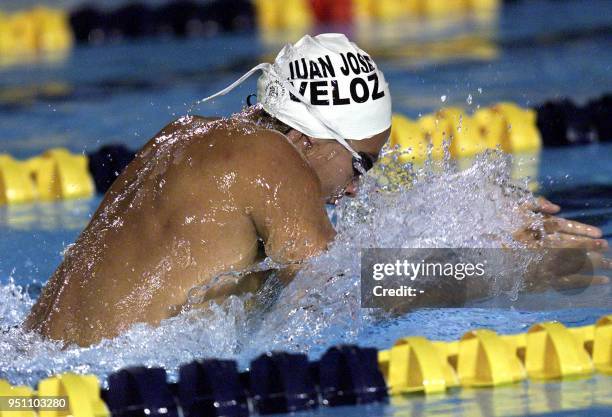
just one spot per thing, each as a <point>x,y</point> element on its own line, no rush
<point>398,206</point>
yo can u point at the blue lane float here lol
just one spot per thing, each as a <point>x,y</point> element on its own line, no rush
<point>564,123</point>
<point>275,382</point>
<point>349,375</point>
<point>280,382</point>
<point>140,392</point>
<point>107,163</point>
<point>211,388</point>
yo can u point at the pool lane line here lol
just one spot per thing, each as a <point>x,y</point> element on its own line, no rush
<point>281,382</point>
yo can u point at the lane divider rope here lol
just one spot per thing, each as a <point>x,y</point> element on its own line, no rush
<point>59,174</point>
<point>281,382</point>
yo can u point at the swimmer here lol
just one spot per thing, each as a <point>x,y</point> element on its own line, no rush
<point>205,197</point>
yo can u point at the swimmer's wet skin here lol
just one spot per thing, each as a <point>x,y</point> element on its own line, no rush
<point>204,197</point>
<point>192,205</point>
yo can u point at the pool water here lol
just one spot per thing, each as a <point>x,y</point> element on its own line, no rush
<point>125,93</point>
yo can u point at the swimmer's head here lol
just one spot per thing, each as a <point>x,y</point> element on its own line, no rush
<point>334,101</point>
<point>326,88</point>
<point>336,104</point>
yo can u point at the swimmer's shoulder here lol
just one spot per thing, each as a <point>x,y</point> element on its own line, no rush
<point>184,126</point>
<point>271,152</point>
<point>264,153</point>
<point>189,125</point>
<point>221,143</point>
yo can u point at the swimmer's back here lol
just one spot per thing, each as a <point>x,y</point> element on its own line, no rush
<point>192,204</point>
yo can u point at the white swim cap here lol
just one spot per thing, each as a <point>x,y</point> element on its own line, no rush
<point>325,87</point>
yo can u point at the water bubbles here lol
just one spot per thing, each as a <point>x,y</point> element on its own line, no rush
<point>443,98</point>
<point>468,100</point>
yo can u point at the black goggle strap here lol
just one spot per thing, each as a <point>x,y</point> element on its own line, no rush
<point>251,100</point>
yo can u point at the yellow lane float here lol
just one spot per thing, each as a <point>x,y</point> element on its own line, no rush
<point>60,175</point>
<point>55,175</point>
<point>482,358</point>
<point>414,364</point>
<point>503,126</point>
<point>16,186</point>
<point>466,138</point>
<point>18,35</point>
<point>53,29</point>
<point>28,35</point>
<point>553,352</point>
<point>410,138</point>
<point>82,393</point>
<point>6,390</point>
<point>274,15</point>
<point>524,135</point>
<point>386,10</point>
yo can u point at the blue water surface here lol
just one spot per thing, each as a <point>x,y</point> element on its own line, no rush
<point>125,93</point>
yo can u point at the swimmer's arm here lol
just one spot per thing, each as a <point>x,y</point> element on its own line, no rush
<point>288,212</point>
<point>286,207</point>
<point>296,230</point>
<point>300,229</point>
